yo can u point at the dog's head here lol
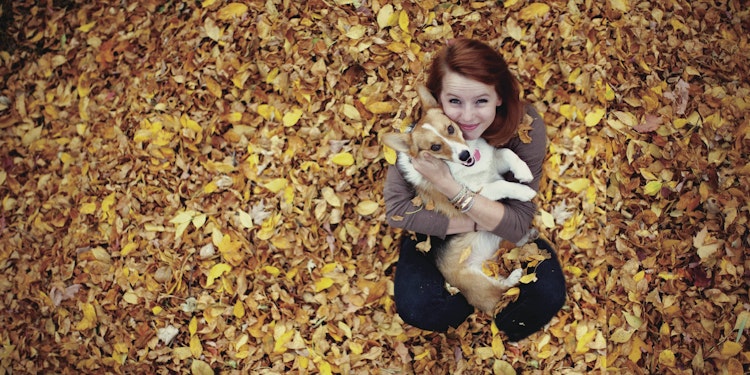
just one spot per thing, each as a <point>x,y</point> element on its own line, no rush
<point>434,133</point>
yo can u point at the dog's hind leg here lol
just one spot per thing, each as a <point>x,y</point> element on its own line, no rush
<point>482,291</point>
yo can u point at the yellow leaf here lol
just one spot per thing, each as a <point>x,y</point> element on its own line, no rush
<point>212,31</point>
<point>88,208</point>
<point>351,112</point>
<point>385,16</point>
<point>510,3</point>
<point>199,220</point>
<point>621,5</point>
<point>207,3</point>
<point>246,220</point>
<point>266,111</point>
<point>210,187</point>
<point>343,158</point>
<point>234,117</point>
<point>380,107</point>
<point>366,207</point>
<point>325,368</point>
<point>157,310</point>
<point>593,117</point>
<point>276,185</point>
<point>193,325</point>
<point>356,348</point>
<point>547,219</point>
<point>279,346</point>
<point>403,21</point>
<point>582,345</point>
<point>639,276</point>
<point>238,310</point>
<point>292,117</point>
<point>666,358</point>
<point>534,10</point>
<point>87,27</point>
<point>356,31</point>
<point>127,249</point>
<point>323,284</point>
<point>621,335</point>
<point>130,298</point>
<point>183,217</point>
<point>196,349</point>
<point>233,10</point>
<point>530,278</point>
<point>652,188</point>
<point>216,271</point>
<point>513,291</point>
<point>213,87</point>
<point>730,349</point>
<point>575,271</point>
<point>189,123</point>
<point>89,317</point>
<point>199,367</point>
<point>273,271</point>
<point>578,185</point>
<point>498,348</point>
<point>609,93</point>
<point>389,154</point>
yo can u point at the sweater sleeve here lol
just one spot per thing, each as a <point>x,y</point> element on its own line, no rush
<point>518,215</point>
<point>402,213</point>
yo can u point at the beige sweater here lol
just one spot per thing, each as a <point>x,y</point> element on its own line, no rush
<point>398,193</point>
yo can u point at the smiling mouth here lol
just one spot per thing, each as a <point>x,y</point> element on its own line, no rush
<point>469,162</point>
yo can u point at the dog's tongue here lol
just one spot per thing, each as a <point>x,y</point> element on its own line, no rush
<point>477,155</point>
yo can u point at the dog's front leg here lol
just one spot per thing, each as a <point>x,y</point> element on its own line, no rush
<point>502,189</point>
<point>510,161</point>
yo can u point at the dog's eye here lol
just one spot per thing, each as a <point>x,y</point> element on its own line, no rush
<point>451,129</point>
<point>435,147</point>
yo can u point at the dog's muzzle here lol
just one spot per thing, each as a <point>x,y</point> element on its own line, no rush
<point>466,158</point>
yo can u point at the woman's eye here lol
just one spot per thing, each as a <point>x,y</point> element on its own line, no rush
<point>451,129</point>
<point>482,101</point>
<point>435,147</point>
<point>454,101</point>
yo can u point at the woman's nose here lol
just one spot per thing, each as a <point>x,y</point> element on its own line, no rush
<point>466,114</point>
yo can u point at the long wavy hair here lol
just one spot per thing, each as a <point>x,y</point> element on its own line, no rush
<point>478,61</point>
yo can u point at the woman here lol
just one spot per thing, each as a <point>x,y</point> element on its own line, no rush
<point>476,89</point>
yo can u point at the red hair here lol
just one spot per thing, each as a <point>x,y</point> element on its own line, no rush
<point>478,61</point>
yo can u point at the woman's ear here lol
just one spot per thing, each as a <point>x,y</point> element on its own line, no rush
<point>499,101</point>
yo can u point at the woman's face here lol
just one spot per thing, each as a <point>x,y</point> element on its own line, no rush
<point>471,104</point>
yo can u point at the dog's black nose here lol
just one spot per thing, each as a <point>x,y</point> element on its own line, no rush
<point>464,155</point>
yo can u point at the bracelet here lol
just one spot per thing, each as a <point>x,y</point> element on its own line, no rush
<point>461,195</point>
<point>467,203</point>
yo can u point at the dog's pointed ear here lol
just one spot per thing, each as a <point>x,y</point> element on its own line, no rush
<point>397,141</point>
<point>428,101</point>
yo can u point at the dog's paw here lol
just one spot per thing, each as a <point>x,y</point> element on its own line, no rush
<point>523,193</point>
<point>515,276</point>
<point>523,175</point>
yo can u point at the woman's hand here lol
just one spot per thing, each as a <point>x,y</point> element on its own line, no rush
<point>431,168</point>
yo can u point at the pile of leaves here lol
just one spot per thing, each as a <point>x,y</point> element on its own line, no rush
<point>197,187</point>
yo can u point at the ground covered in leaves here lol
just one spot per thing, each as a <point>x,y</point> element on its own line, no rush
<point>197,187</point>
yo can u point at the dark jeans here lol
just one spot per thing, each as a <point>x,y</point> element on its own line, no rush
<point>423,302</point>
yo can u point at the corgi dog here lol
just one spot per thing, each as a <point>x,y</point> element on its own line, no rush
<point>477,165</point>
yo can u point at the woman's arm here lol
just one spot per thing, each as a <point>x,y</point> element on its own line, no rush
<point>518,215</point>
<point>400,212</point>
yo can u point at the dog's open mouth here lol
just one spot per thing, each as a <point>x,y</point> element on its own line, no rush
<point>469,162</point>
